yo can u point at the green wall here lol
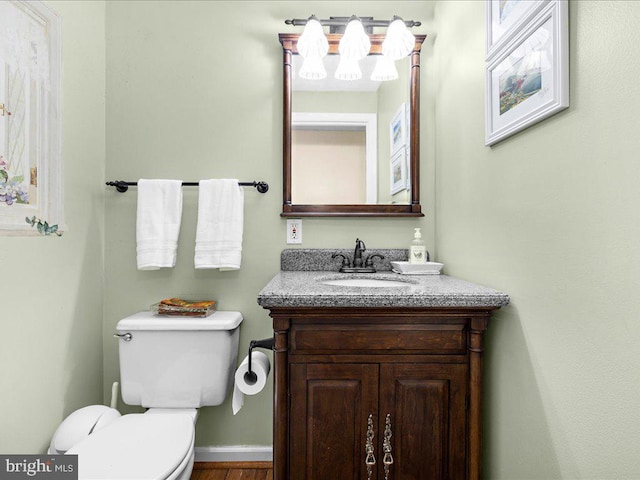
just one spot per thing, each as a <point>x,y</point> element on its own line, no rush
<point>51,320</point>
<point>550,216</point>
<point>194,90</point>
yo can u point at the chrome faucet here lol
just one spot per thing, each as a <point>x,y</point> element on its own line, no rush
<point>358,265</point>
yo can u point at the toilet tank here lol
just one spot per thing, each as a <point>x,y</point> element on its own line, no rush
<point>177,362</point>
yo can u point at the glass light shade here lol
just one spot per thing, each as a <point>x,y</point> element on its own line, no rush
<point>312,69</point>
<point>313,42</point>
<point>399,41</point>
<point>348,69</point>
<point>384,70</point>
<point>355,43</point>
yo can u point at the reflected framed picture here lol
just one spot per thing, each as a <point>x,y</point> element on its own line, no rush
<point>398,171</point>
<point>528,80</point>
<point>504,19</point>
<point>398,129</point>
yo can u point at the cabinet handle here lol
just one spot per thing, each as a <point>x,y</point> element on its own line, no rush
<point>387,460</point>
<point>370,459</point>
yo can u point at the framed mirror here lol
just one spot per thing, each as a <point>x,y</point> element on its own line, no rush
<point>351,148</point>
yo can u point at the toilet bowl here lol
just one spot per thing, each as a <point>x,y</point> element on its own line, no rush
<point>172,366</point>
<point>139,446</point>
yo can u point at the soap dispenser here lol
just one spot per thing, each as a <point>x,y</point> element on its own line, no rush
<point>417,250</point>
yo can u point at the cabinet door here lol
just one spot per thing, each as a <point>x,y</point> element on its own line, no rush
<point>426,408</point>
<point>330,404</point>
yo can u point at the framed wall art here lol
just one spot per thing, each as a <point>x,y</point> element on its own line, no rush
<point>398,166</point>
<point>30,119</point>
<point>398,129</point>
<point>528,79</point>
<point>503,17</point>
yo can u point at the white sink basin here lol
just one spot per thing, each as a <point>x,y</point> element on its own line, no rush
<point>365,282</point>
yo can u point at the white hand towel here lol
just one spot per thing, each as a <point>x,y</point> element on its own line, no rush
<point>220,224</point>
<point>158,223</point>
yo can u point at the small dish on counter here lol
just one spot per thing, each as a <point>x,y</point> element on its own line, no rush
<point>406,268</point>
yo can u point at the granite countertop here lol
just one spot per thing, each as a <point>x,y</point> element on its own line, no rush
<point>304,289</point>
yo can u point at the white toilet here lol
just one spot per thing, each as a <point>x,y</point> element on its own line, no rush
<point>172,366</point>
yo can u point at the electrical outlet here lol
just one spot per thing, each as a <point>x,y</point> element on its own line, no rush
<point>294,230</point>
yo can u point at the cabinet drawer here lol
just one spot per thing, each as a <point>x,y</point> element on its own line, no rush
<point>377,339</point>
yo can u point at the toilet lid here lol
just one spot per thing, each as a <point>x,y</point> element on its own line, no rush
<point>144,447</point>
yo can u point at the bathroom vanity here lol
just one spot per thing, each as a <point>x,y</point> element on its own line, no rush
<point>377,382</point>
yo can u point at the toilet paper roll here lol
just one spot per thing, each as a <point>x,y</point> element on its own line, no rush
<point>244,385</point>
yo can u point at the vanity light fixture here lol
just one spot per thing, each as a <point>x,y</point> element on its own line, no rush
<point>312,46</point>
<point>312,69</point>
<point>399,40</point>
<point>397,44</point>
<point>348,69</point>
<point>354,46</point>
<point>384,70</point>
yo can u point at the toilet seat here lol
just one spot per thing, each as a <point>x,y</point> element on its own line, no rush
<point>137,446</point>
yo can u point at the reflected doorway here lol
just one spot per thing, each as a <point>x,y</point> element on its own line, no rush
<point>334,158</point>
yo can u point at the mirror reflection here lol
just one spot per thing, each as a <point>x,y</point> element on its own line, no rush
<point>351,147</point>
<point>342,141</point>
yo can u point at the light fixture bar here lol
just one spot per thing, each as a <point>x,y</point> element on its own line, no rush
<point>335,22</point>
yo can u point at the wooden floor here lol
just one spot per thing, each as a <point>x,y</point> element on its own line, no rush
<point>232,471</point>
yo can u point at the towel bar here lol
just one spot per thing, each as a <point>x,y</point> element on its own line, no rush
<point>121,186</point>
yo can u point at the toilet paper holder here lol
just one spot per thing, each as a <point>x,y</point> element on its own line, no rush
<point>250,375</point>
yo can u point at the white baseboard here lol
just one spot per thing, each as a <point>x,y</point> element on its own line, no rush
<point>235,453</point>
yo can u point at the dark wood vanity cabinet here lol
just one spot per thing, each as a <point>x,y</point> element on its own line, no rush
<point>408,375</point>
<point>425,405</point>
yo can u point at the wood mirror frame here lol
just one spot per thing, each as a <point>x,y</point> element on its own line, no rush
<point>413,209</point>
